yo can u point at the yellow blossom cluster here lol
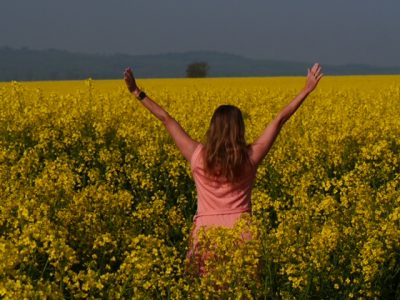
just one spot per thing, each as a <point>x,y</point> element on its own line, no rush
<point>96,200</point>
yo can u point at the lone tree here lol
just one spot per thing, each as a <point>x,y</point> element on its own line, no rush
<point>197,69</point>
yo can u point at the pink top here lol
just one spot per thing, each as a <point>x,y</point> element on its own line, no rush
<point>218,198</point>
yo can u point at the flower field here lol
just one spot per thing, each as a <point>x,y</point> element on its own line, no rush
<point>96,201</point>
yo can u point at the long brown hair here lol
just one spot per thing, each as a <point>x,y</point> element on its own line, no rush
<point>225,152</point>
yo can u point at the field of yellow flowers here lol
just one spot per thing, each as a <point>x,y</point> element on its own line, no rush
<point>97,202</point>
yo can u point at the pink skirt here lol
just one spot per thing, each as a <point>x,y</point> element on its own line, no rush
<point>226,220</point>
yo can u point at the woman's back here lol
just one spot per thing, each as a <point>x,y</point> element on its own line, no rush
<point>218,196</point>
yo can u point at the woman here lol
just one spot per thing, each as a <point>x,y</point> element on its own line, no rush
<point>224,168</point>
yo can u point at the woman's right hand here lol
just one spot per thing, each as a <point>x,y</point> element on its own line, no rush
<point>313,77</point>
<point>130,81</point>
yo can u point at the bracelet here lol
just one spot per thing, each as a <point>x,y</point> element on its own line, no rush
<point>140,96</point>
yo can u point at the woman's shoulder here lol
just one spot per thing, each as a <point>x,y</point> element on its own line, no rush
<point>196,153</point>
<point>250,151</point>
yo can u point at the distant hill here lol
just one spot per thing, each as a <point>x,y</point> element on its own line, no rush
<point>25,64</point>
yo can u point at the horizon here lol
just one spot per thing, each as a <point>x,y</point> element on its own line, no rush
<point>188,52</point>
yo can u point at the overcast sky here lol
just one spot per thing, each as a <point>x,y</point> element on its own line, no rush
<point>330,32</point>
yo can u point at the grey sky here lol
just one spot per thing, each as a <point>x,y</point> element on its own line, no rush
<point>331,32</point>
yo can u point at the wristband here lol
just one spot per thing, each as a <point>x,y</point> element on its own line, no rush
<point>141,96</point>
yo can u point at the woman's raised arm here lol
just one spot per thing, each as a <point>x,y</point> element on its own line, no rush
<point>263,144</point>
<point>182,140</point>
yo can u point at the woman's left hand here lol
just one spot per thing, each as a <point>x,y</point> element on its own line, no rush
<point>313,77</point>
<point>130,80</point>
